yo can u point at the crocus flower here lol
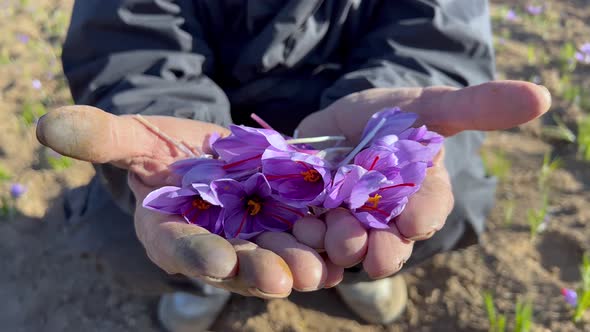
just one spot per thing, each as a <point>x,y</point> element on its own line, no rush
<point>250,209</point>
<point>22,38</point>
<point>582,58</point>
<point>243,149</point>
<point>511,16</point>
<point>17,190</point>
<point>534,10</point>
<point>388,154</point>
<point>570,296</point>
<point>370,196</point>
<point>37,85</point>
<point>353,182</point>
<point>585,48</point>
<point>198,170</point>
<point>195,204</point>
<point>390,199</point>
<point>396,122</point>
<point>297,178</point>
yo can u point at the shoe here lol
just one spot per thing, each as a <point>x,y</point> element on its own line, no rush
<point>377,302</point>
<point>186,312</point>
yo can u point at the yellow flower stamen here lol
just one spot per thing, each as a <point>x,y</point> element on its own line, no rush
<point>254,207</point>
<point>201,204</point>
<point>311,175</point>
<point>374,200</point>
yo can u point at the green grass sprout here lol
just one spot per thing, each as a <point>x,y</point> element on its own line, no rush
<point>549,166</point>
<point>496,163</point>
<point>584,137</point>
<point>584,290</point>
<point>523,315</point>
<point>536,218</point>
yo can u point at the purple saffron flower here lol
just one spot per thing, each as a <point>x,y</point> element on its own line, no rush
<point>23,38</point>
<point>389,200</point>
<point>582,57</point>
<point>196,204</point>
<point>249,208</point>
<point>396,122</point>
<point>353,182</point>
<point>297,178</point>
<point>511,16</point>
<point>534,10</point>
<point>585,48</point>
<point>570,296</point>
<point>243,149</point>
<point>17,190</point>
<point>370,196</point>
<point>198,170</point>
<point>389,154</point>
<point>37,85</point>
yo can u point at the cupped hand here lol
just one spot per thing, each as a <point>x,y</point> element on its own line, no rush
<point>269,268</point>
<point>448,111</point>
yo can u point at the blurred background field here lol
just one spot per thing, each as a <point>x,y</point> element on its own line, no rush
<point>537,234</point>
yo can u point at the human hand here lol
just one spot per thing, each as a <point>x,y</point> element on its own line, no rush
<point>448,111</point>
<point>269,268</point>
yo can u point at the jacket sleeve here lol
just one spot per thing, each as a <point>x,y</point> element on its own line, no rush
<point>415,43</point>
<point>142,56</point>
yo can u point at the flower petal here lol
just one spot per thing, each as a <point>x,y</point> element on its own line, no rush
<point>168,199</point>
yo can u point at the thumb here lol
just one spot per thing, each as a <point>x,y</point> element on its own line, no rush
<point>90,134</point>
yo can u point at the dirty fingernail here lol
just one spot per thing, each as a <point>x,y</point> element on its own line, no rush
<point>422,237</point>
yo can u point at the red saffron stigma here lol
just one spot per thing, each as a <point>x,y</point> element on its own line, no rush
<point>400,185</point>
<point>239,162</point>
<point>374,163</point>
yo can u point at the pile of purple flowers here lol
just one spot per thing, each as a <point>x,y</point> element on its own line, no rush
<point>257,180</point>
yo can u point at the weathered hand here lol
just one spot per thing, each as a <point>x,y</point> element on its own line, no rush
<point>448,111</point>
<point>268,269</point>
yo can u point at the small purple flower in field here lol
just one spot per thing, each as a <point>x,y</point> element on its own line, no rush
<point>23,38</point>
<point>570,296</point>
<point>511,16</point>
<point>195,204</point>
<point>297,178</point>
<point>249,209</point>
<point>534,10</point>
<point>243,149</point>
<point>17,190</point>
<point>582,58</point>
<point>583,55</point>
<point>37,85</point>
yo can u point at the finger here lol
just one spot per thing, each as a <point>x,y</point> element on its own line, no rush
<point>306,265</point>
<point>490,106</point>
<point>419,223</point>
<point>311,232</point>
<point>263,272</point>
<point>335,272</point>
<point>90,134</point>
<point>387,252</point>
<point>178,247</point>
<point>346,238</point>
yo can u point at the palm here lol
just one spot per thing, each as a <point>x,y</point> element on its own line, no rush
<point>175,246</point>
<point>491,106</point>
